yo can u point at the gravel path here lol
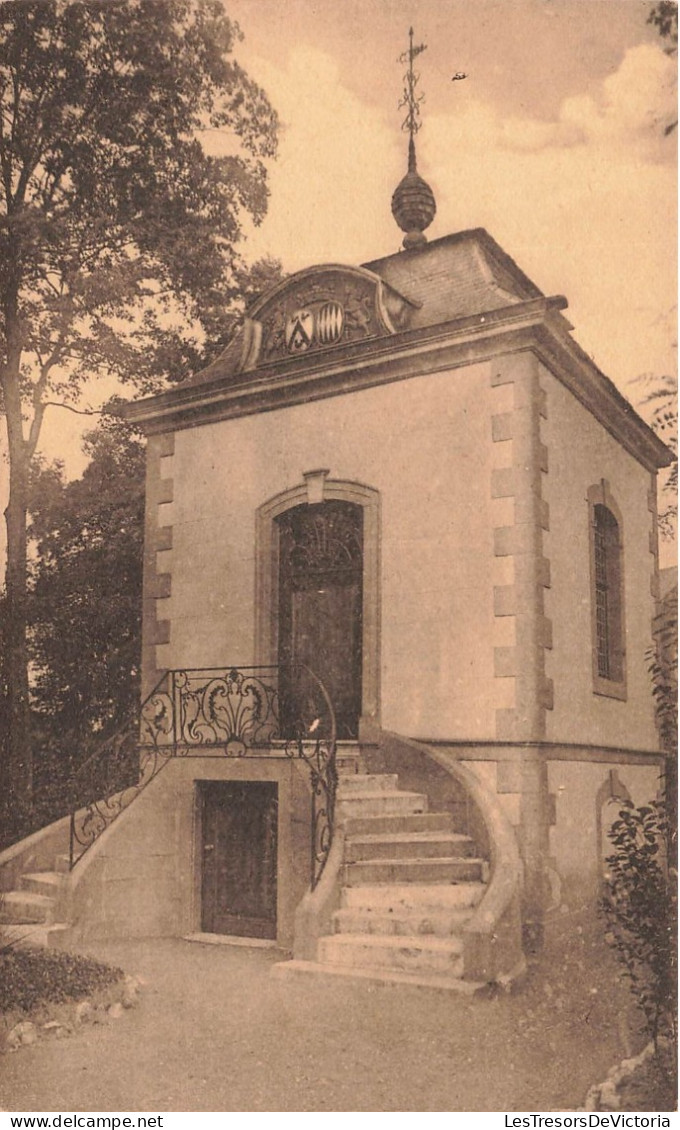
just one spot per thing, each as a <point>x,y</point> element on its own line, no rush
<point>214,1032</point>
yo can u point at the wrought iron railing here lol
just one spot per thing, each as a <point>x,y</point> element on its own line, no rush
<point>234,712</point>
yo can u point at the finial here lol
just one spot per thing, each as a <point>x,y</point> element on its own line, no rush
<point>413,203</point>
<point>410,101</point>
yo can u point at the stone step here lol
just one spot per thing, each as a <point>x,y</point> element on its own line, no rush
<point>348,759</point>
<point>407,845</point>
<point>437,870</point>
<point>383,978</point>
<point>62,864</point>
<point>437,921</point>
<point>425,898</point>
<point>382,825</point>
<point>406,954</point>
<point>25,934</point>
<point>381,804</point>
<point>367,783</point>
<point>25,906</point>
<point>42,882</point>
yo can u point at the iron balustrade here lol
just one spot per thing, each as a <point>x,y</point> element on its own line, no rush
<point>213,712</point>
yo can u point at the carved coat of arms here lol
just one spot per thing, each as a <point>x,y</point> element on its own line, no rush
<point>322,322</point>
<point>323,307</point>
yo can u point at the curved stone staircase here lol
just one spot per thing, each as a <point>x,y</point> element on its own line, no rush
<point>409,884</point>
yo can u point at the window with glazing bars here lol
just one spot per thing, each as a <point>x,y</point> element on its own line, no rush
<point>608,618</point>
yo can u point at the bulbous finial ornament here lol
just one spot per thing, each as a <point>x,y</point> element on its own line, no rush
<point>413,203</point>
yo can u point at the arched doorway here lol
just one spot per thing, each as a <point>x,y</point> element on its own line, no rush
<point>318,594</point>
<point>320,611</point>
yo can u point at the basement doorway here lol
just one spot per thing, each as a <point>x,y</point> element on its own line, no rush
<point>239,857</point>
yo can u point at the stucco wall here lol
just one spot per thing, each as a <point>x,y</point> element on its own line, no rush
<point>141,878</point>
<point>583,812</point>
<point>582,453</point>
<point>425,444</point>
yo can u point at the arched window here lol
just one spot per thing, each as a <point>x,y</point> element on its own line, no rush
<point>606,555</point>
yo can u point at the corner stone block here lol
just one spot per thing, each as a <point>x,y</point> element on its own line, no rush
<point>509,777</point>
<point>160,586</point>
<point>502,482</point>
<point>163,538</point>
<point>545,631</point>
<point>504,541</point>
<point>166,444</point>
<point>160,632</point>
<point>164,491</point>
<point>504,662</point>
<point>547,694</point>
<point>504,600</point>
<point>506,725</point>
<point>544,572</point>
<point>501,427</point>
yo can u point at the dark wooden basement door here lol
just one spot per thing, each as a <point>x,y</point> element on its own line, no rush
<point>320,612</point>
<point>239,849</point>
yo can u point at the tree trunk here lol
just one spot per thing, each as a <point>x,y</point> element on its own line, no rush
<point>19,755</point>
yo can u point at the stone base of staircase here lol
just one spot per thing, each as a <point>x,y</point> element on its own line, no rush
<point>409,883</point>
<point>27,913</point>
<point>384,977</point>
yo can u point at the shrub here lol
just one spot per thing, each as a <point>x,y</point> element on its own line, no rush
<point>30,977</point>
<point>640,907</point>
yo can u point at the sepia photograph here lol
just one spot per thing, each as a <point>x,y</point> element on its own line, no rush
<point>338,573</point>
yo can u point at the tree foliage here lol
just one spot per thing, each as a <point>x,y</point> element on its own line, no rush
<point>118,228</point>
<point>660,403</point>
<point>86,589</point>
<point>664,17</point>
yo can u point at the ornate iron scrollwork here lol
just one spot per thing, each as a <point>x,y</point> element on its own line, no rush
<point>236,709</point>
<point>232,712</point>
<point>319,757</point>
<point>120,768</point>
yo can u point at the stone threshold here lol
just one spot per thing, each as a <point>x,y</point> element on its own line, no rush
<point>230,940</point>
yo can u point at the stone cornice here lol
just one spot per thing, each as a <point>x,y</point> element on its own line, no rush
<point>534,325</point>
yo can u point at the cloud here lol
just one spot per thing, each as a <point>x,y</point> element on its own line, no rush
<point>337,156</point>
<point>633,105</point>
<point>627,112</point>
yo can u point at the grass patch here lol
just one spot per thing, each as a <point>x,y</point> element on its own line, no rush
<point>32,977</point>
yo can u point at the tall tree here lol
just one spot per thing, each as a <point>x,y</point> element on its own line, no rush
<point>116,225</point>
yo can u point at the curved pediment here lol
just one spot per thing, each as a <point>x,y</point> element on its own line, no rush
<point>319,308</point>
<point>324,306</point>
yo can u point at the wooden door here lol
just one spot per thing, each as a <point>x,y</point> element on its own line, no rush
<point>320,613</point>
<point>239,858</point>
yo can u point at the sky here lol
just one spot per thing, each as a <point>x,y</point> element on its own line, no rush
<point>554,143</point>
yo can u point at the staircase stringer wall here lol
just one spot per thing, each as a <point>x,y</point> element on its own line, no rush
<point>492,938</point>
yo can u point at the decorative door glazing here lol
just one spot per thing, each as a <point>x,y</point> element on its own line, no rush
<point>320,612</point>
